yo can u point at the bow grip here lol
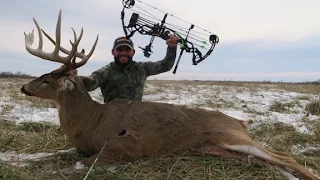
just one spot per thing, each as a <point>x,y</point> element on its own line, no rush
<point>165,36</point>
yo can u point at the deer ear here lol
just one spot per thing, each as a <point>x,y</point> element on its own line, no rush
<point>69,84</point>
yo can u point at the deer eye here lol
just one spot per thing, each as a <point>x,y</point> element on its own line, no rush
<point>46,82</point>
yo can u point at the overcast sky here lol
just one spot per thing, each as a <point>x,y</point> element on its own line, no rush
<point>277,40</point>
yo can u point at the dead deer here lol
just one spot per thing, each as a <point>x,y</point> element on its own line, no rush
<point>135,129</point>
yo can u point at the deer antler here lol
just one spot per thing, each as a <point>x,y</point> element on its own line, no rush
<point>54,56</point>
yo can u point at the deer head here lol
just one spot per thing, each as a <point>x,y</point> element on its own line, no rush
<point>48,85</point>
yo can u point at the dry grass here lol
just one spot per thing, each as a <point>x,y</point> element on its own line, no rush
<point>282,137</point>
<point>314,107</point>
<point>278,106</point>
<point>31,137</point>
<point>44,137</point>
<point>147,169</point>
<point>307,88</point>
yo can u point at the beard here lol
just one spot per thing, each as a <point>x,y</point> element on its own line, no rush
<point>117,61</point>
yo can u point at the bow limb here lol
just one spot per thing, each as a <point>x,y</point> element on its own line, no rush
<point>214,40</point>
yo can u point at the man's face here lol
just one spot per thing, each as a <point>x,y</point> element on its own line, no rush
<point>123,54</point>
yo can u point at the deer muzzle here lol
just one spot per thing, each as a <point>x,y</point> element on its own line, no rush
<point>24,91</point>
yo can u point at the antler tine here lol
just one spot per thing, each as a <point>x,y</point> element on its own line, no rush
<point>53,56</point>
<point>29,39</point>
<point>84,58</point>
<point>54,43</point>
<point>65,60</point>
<point>68,64</point>
<point>81,55</point>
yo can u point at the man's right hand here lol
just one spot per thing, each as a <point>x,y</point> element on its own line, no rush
<point>172,41</point>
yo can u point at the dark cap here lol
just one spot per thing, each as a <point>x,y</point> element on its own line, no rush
<point>122,41</point>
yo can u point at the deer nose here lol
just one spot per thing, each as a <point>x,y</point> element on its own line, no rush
<point>24,91</point>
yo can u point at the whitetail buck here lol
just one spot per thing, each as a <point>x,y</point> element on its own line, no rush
<point>135,129</point>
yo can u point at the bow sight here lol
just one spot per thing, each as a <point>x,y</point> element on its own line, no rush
<point>162,29</point>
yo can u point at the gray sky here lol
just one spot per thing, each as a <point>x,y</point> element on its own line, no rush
<point>259,40</point>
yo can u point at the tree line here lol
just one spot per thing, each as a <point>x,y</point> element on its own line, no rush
<point>8,74</point>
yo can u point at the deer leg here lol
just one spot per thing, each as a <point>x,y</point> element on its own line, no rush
<point>90,160</point>
<point>249,147</point>
<point>122,148</point>
<point>222,152</point>
<point>104,158</point>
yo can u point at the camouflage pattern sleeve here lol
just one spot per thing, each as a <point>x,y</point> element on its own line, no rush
<point>164,65</point>
<point>99,76</point>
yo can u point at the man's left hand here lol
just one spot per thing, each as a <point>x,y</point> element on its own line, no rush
<point>172,41</point>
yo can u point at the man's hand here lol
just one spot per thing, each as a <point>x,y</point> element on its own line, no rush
<point>172,41</point>
<point>73,71</point>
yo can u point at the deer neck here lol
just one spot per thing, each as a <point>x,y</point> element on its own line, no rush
<point>75,108</point>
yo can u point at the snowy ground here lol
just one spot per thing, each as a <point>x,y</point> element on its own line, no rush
<point>240,102</point>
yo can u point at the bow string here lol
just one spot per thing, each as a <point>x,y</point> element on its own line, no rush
<point>199,43</point>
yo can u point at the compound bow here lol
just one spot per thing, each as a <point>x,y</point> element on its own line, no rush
<point>148,27</point>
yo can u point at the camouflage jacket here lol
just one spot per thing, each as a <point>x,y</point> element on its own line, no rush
<point>128,82</point>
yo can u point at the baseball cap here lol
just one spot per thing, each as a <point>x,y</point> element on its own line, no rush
<point>122,41</point>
